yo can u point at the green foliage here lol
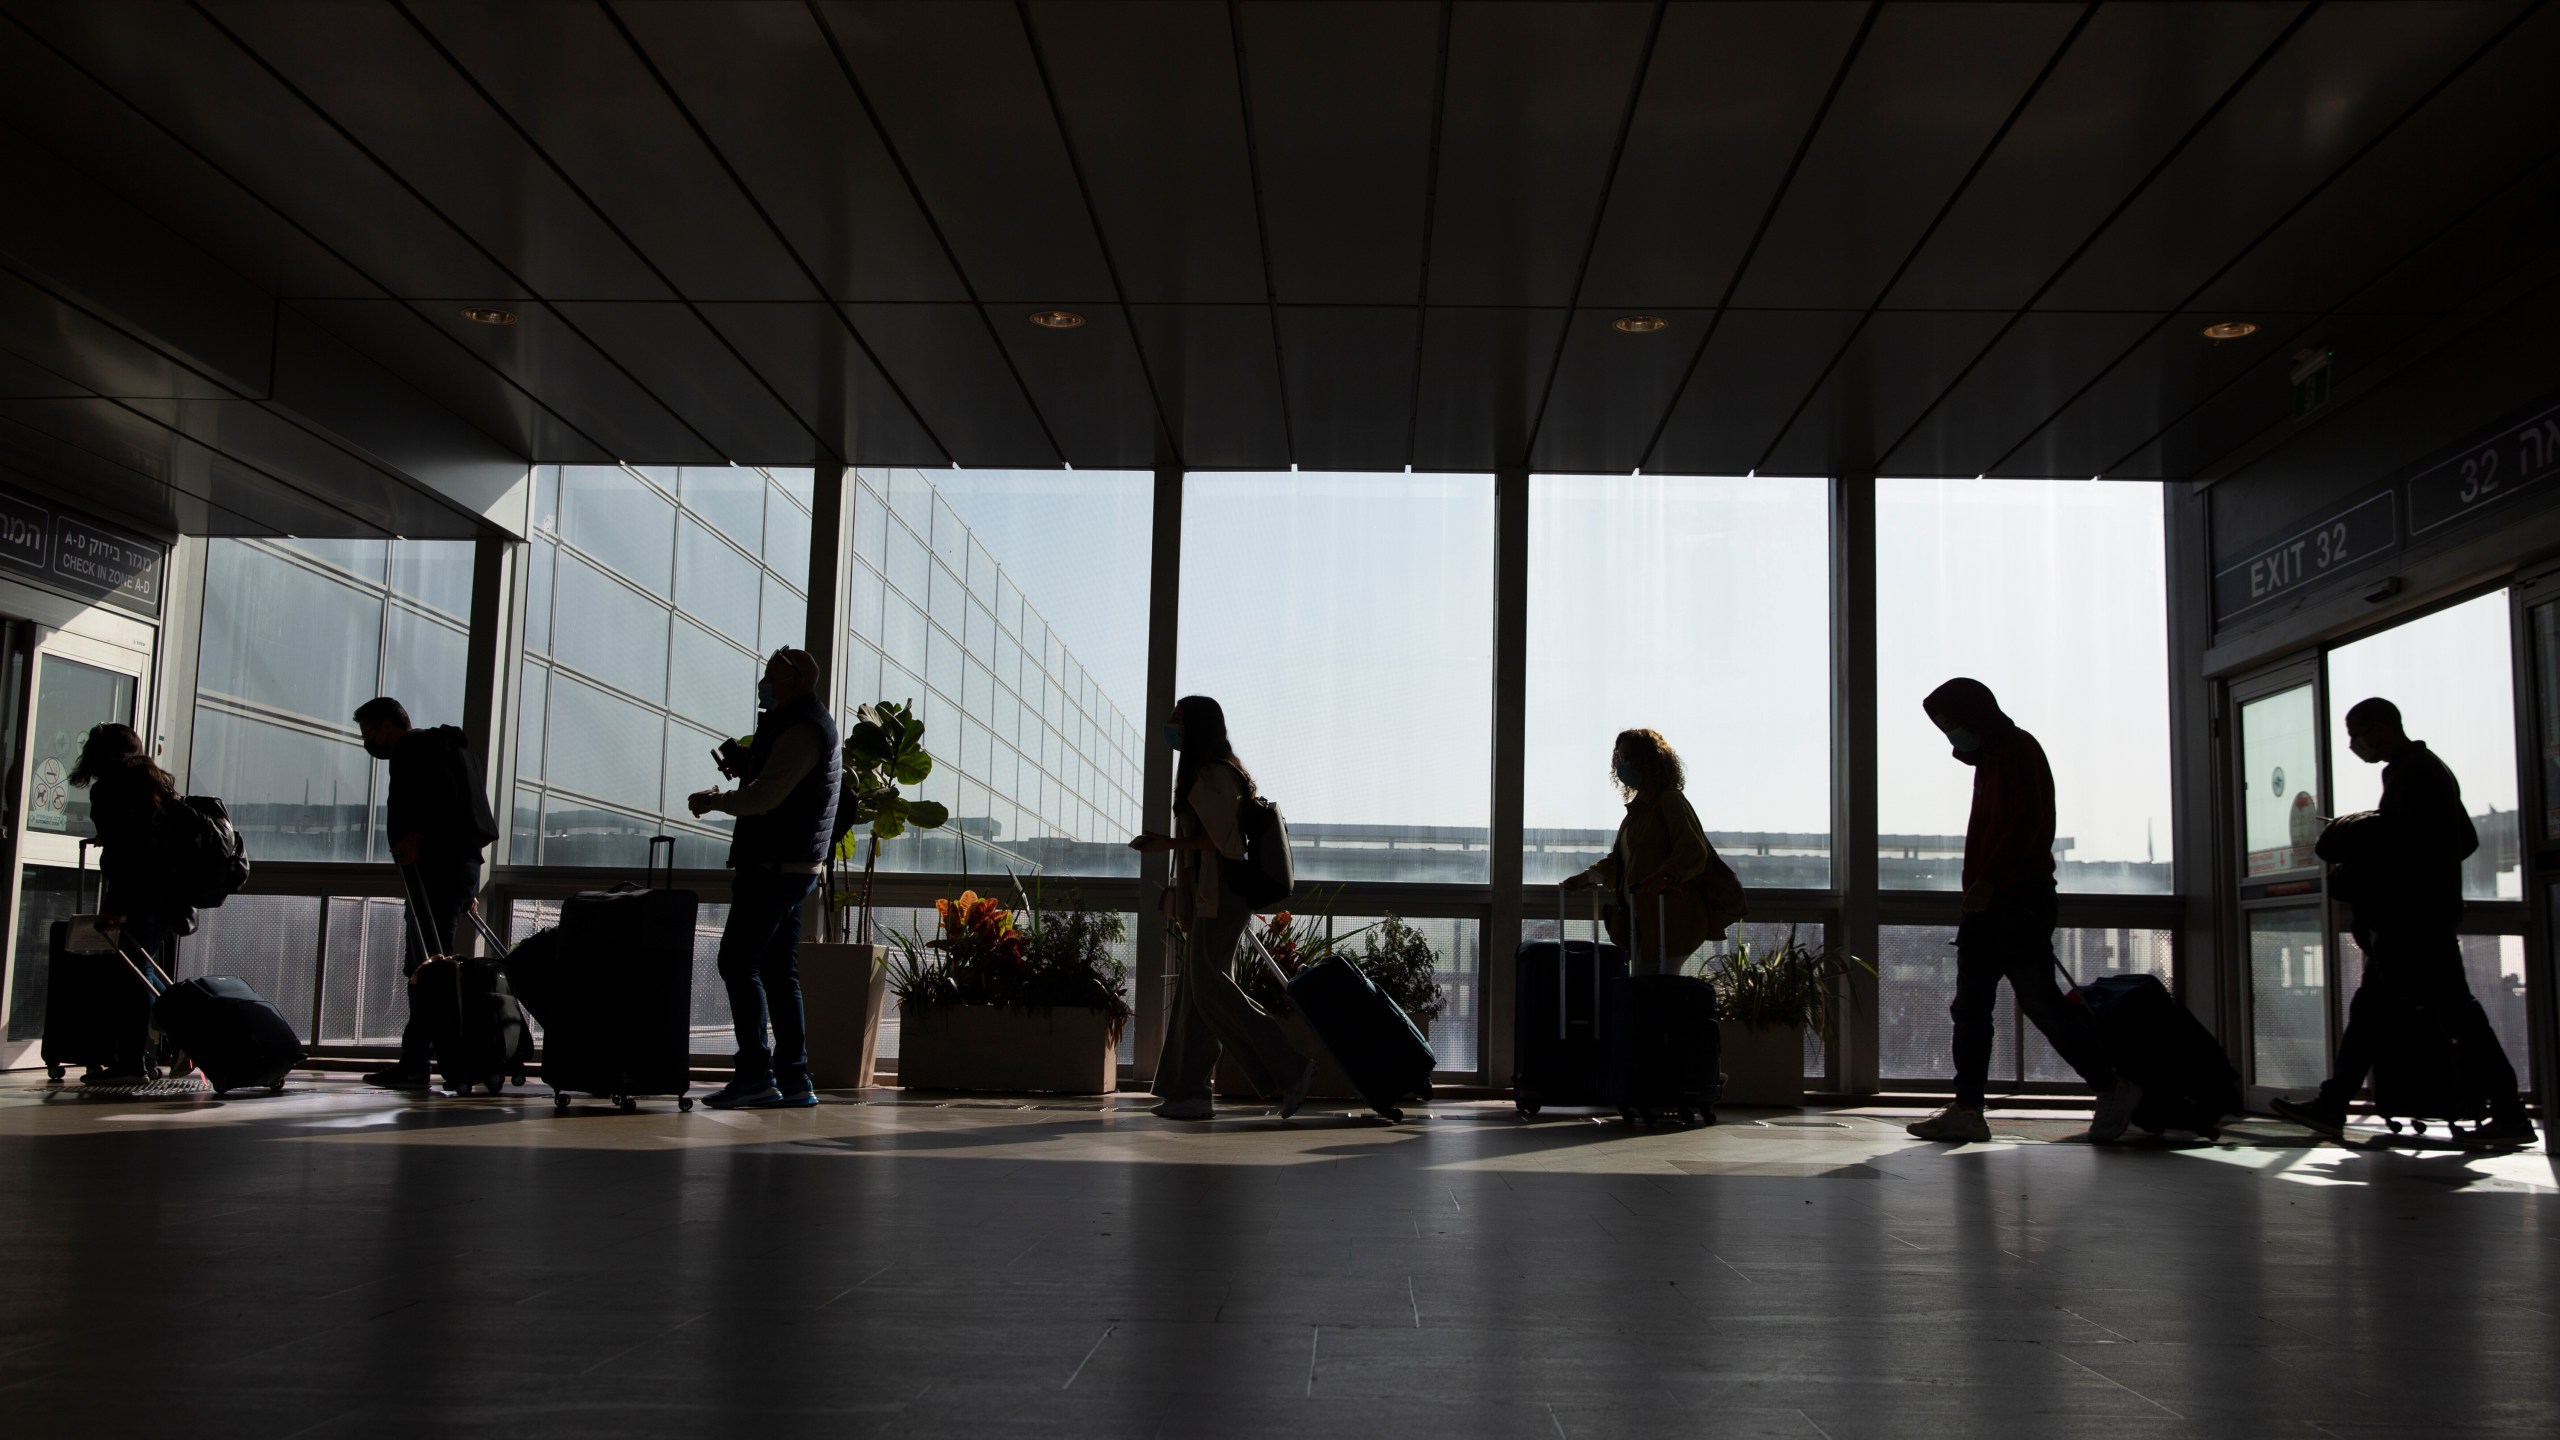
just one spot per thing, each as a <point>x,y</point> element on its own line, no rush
<point>883,751</point>
<point>1403,964</point>
<point>1038,958</point>
<point>1787,986</point>
<point>1391,953</point>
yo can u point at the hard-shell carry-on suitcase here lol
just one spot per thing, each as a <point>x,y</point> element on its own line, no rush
<point>624,1025</point>
<point>1560,1018</point>
<point>1670,1049</point>
<point>2419,1075</point>
<point>95,1004</point>
<point>2187,1082</point>
<point>225,1027</point>
<point>471,1018</point>
<point>1362,1028</point>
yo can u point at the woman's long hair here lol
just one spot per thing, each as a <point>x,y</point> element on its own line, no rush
<point>1656,765</point>
<point>1204,742</point>
<point>117,749</point>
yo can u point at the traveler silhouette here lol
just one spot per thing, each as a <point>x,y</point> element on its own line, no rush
<point>137,901</point>
<point>2399,868</point>
<point>2009,912</point>
<point>1661,851</point>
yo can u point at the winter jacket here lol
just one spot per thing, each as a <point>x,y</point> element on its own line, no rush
<point>436,794</point>
<point>2008,839</point>
<point>1661,836</point>
<point>2400,865</point>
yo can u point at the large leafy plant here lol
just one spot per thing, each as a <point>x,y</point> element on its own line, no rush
<point>1786,986</point>
<point>1040,957</point>
<point>883,752</point>
<point>1393,954</point>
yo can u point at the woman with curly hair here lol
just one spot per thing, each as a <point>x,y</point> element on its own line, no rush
<point>1661,864</point>
<point>127,793</point>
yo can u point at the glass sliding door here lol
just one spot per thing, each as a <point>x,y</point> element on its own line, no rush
<point>2285,932</point>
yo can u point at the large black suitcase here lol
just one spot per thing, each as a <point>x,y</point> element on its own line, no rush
<point>1366,1032</point>
<point>620,1022</point>
<point>96,1006</point>
<point>2418,1071</point>
<point>533,969</point>
<point>2187,1082</point>
<point>1670,1050</point>
<point>1561,1054</point>
<point>464,1007</point>
<point>229,1030</point>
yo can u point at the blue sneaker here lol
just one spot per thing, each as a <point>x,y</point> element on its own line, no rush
<point>801,1099</point>
<point>743,1094</point>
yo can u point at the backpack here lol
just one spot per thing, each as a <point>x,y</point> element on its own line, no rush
<point>1266,875</point>
<point>202,853</point>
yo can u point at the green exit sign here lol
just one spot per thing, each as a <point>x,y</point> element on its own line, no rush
<point>2311,379</point>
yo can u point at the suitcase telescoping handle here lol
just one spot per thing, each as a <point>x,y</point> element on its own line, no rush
<point>649,869</point>
<point>80,883</point>
<point>413,895</point>
<point>147,970</point>
<point>1564,968</point>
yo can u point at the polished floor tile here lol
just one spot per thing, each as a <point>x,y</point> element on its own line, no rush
<point>337,1262</point>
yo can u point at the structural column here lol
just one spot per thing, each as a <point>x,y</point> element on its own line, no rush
<point>1854,1048</point>
<point>1510,753</point>
<point>829,538</point>
<point>1164,612</point>
<point>493,660</point>
<point>2197,864</point>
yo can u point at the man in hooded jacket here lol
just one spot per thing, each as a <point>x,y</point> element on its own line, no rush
<point>2009,913</point>
<point>436,813</point>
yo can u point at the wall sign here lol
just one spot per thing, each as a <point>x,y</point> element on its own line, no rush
<point>73,552</point>
<point>2333,544</point>
<point>2487,472</point>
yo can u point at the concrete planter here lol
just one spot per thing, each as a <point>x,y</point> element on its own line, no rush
<point>1763,1065</point>
<point>844,989</point>
<point>985,1047</point>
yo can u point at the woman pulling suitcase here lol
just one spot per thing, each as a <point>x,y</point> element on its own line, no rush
<point>1662,863</point>
<point>127,792</point>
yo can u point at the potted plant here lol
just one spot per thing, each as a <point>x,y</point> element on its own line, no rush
<point>1768,996</point>
<point>1394,955</point>
<point>844,976</point>
<point>1012,1001</point>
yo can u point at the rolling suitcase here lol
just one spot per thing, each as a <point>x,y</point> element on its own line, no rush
<point>1560,1027</point>
<point>1367,1034</point>
<point>225,1027</point>
<point>620,1019</point>
<point>1669,1047</point>
<point>471,1018</point>
<point>532,965</point>
<point>2187,1082</point>
<point>96,1004</point>
<point>2418,1074</point>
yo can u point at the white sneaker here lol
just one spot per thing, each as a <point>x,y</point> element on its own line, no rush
<point>1961,1124</point>
<point>1296,1094</point>
<point>2115,1112</point>
<point>1185,1110</point>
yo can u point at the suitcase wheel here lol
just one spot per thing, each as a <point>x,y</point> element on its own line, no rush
<point>1394,1115</point>
<point>626,1103</point>
<point>1706,1117</point>
<point>685,1103</point>
<point>2394,1124</point>
<point>1528,1108</point>
<point>1688,1117</point>
<point>53,1073</point>
<point>2418,1125</point>
<point>559,1101</point>
<point>275,1087</point>
<point>497,1083</point>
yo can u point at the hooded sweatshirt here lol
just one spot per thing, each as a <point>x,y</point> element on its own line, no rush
<point>2008,840</point>
<point>436,793</point>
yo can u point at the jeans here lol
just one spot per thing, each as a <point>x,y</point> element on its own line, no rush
<point>2013,940</point>
<point>447,887</point>
<point>760,963</point>
<point>2408,970</point>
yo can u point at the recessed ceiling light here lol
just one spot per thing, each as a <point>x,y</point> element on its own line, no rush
<point>490,317</point>
<point>1640,324</point>
<point>2229,330</point>
<point>1056,319</point>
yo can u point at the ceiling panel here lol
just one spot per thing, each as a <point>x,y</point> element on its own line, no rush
<point>1928,91</point>
<point>1757,367</point>
<point>549,357</point>
<point>960,100</point>
<point>808,352</point>
<point>2474,250</point>
<point>567,76</point>
<point>1900,362</point>
<point>414,348</point>
<point>1731,92</point>
<point>761,78</point>
<point>173,64</point>
<point>2347,73</point>
<point>2263,398</point>
<point>93,130</point>
<point>1483,371</point>
<point>1350,375</point>
<point>2026,376</point>
<point>1343,102</point>
<point>100,358</point>
<point>36,460</point>
<point>1612,390</point>
<point>1536,97</point>
<point>2501,119</point>
<point>23,379</point>
<point>258,436</point>
<point>2135,81</point>
<point>684,364</point>
<point>1220,377</point>
<point>956,376</point>
<point>2155,382</point>
<point>1089,383</point>
<point>1151,104</point>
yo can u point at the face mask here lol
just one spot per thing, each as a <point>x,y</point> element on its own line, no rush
<point>378,752</point>
<point>1625,776</point>
<point>1173,737</point>
<point>1968,746</point>
<point>764,694</point>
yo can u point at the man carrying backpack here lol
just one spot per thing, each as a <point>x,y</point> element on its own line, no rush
<point>438,819</point>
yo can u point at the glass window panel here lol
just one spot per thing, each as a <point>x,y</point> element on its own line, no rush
<point>435,574</point>
<point>912,496</point>
<point>982,633</point>
<point>786,616</point>
<point>293,795</point>
<point>285,638</point>
<point>620,520</point>
<point>863,601</point>
<point>1915,982</point>
<point>861,677</point>
<point>2289,998</point>
<point>271,941</point>
<point>950,537</point>
<point>730,497</point>
<point>605,747</point>
<point>2088,954</point>
<point>529,711</point>
<point>425,664</point>
<point>870,527</point>
<point>365,559</point>
<point>2452,675</point>
<point>910,568</point>
<point>578,833</point>
<point>689,767</point>
<point>800,483</point>
<point>71,699</point>
<point>364,1000</point>
<point>944,665</point>
<point>2053,593</point>
<point>978,692</point>
<point>715,584</point>
<point>977,756</point>
<point>982,571</point>
<point>1403,562</point>
<point>902,634</point>
<point>546,498</point>
<point>712,681</point>
<point>786,541</point>
<point>1624,574</point>
<point>542,558</point>
<point>46,894</point>
<point>949,604</point>
<point>2280,781</point>
<point>607,631</point>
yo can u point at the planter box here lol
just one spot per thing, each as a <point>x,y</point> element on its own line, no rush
<point>1763,1065</point>
<point>844,989</point>
<point>985,1047</point>
<point>1331,1083</point>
